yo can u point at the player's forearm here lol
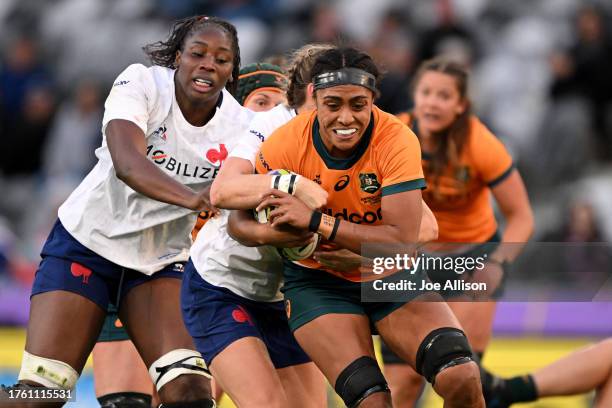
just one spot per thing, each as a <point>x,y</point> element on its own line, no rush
<point>428,230</point>
<point>239,192</point>
<point>146,178</point>
<point>518,230</point>
<point>242,227</point>
<point>387,238</point>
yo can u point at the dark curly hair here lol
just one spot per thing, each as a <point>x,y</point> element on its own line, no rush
<point>163,53</point>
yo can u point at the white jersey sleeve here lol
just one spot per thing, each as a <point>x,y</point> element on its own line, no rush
<point>131,97</point>
<point>260,128</point>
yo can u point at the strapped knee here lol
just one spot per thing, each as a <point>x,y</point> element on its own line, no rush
<point>47,372</point>
<point>177,362</point>
<point>125,400</point>
<point>359,380</point>
<point>442,348</point>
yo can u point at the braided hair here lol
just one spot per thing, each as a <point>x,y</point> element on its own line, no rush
<point>163,53</point>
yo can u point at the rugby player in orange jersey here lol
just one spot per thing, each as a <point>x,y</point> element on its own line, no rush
<point>369,164</point>
<point>464,163</point>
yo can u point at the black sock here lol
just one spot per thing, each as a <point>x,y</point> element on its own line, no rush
<point>501,393</point>
<point>522,388</point>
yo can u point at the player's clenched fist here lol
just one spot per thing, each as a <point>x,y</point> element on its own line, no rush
<point>310,193</point>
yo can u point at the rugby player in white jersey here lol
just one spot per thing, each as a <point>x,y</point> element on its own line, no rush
<point>123,235</point>
<point>231,297</point>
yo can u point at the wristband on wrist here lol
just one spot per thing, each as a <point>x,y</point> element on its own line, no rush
<point>315,220</point>
<point>334,229</point>
<point>324,224</point>
<point>285,182</point>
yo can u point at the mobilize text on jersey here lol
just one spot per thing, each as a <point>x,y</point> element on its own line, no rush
<point>160,158</point>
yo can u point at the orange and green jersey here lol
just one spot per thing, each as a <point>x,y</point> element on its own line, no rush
<point>387,160</point>
<point>202,219</point>
<point>461,199</point>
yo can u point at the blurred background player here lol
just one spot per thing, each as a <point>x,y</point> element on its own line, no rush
<point>261,86</point>
<point>100,250</point>
<point>587,369</point>
<point>231,300</point>
<point>464,163</point>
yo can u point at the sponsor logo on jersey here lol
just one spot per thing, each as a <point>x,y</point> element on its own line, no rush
<point>217,156</point>
<point>263,162</point>
<point>119,83</point>
<point>368,217</point>
<point>178,267</point>
<point>342,183</point>
<point>79,270</point>
<point>258,134</point>
<point>371,200</point>
<point>369,182</point>
<point>317,179</point>
<point>160,132</point>
<point>162,159</point>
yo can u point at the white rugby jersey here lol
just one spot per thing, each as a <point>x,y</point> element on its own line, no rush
<point>132,230</point>
<point>251,272</point>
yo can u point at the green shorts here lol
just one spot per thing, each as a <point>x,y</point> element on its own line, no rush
<point>112,330</point>
<point>310,293</point>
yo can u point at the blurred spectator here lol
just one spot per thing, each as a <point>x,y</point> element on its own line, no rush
<point>582,257</point>
<point>75,134</point>
<point>27,131</point>
<point>392,48</point>
<point>449,37</point>
<point>21,145</point>
<point>325,24</point>
<point>584,69</point>
<point>20,71</point>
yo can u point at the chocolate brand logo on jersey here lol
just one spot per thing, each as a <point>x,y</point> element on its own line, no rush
<point>217,156</point>
<point>342,183</point>
<point>79,270</point>
<point>369,183</point>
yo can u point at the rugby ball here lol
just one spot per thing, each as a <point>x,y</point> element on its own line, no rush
<point>263,216</point>
<point>299,253</point>
<point>292,254</point>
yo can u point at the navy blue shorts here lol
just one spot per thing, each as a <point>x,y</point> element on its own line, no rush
<point>216,317</point>
<point>68,265</point>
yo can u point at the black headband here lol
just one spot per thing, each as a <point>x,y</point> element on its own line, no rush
<point>345,76</point>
